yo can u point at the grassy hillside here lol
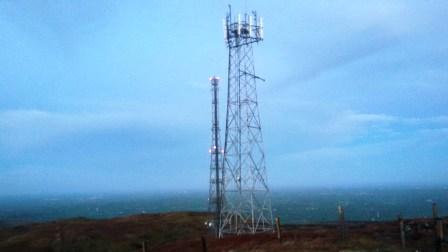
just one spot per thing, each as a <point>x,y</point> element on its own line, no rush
<point>119,234</point>
<point>183,231</point>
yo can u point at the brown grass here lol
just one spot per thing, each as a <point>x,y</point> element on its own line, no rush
<point>183,231</point>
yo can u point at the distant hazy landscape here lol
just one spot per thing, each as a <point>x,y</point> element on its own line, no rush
<point>293,206</point>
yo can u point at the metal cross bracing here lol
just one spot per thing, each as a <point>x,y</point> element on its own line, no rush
<point>246,202</point>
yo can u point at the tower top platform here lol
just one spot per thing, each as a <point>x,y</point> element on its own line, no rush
<point>242,29</point>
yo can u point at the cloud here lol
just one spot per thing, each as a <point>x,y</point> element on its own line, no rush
<point>341,52</point>
<point>352,32</point>
<point>323,130</point>
<point>329,37</point>
<point>23,129</point>
<point>375,134</point>
<point>369,118</point>
<point>390,160</point>
<point>133,148</point>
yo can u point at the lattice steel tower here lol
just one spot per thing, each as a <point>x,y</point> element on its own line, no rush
<point>246,197</point>
<point>216,171</point>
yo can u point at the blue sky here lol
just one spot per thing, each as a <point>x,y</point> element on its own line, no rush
<point>113,96</point>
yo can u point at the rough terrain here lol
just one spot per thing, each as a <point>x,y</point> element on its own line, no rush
<point>183,232</point>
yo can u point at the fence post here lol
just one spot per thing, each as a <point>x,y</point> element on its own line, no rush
<point>440,233</point>
<point>60,238</point>
<point>145,246</point>
<point>435,214</point>
<point>204,244</point>
<point>402,231</point>
<point>341,215</point>
<point>277,225</point>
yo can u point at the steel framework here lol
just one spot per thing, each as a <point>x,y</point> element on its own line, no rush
<point>216,171</point>
<point>246,201</point>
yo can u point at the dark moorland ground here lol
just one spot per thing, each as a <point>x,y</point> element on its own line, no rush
<point>183,231</point>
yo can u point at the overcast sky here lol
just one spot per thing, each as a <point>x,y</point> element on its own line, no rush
<point>107,96</point>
